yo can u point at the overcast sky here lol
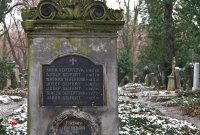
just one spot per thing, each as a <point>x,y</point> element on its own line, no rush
<point>113,4</point>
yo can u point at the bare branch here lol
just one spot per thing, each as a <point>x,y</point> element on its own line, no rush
<point>2,33</point>
<point>10,9</point>
<point>11,46</point>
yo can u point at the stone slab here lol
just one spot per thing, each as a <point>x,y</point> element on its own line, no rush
<point>100,50</point>
<point>72,80</point>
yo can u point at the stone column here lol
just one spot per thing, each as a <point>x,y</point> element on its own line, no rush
<point>171,77</point>
<point>196,77</point>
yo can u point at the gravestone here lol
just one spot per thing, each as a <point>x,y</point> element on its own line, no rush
<point>178,78</point>
<point>163,80</point>
<point>147,80</point>
<point>196,79</point>
<point>16,71</point>
<point>8,84</point>
<point>72,67</point>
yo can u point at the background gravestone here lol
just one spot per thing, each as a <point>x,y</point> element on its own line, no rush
<point>196,79</point>
<point>72,67</point>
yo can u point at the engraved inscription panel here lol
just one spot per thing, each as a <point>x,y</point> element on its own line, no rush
<point>73,126</point>
<point>72,81</point>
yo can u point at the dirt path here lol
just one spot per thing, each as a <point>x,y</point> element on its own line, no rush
<point>173,112</point>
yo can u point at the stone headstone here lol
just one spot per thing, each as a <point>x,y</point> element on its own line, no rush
<point>163,79</point>
<point>196,80</point>
<point>178,78</point>
<point>147,80</point>
<point>23,82</point>
<point>16,71</point>
<point>152,79</point>
<point>8,85</point>
<point>72,74</point>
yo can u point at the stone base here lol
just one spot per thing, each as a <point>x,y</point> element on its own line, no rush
<point>195,88</point>
<point>171,83</point>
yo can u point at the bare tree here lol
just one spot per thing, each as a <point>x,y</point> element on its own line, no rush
<point>14,35</point>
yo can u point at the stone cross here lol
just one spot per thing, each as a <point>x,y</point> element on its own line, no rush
<point>73,61</point>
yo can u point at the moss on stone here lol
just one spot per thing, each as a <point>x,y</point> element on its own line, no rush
<point>30,41</point>
<point>86,116</point>
<point>29,122</point>
<point>75,42</point>
<point>56,43</point>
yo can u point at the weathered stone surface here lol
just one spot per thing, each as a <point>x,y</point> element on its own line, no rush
<point>196,81</point>
<point>171,78</point>
<point>178,78</point>
<point>171,83</point>
<point>74,122</point>
<point>71,10</point>
<point>44,50</point>
<point>61,16</point>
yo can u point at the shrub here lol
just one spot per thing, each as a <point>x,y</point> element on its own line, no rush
<point>2,129</point>
<point>13,80</point>
<point>5,71</point>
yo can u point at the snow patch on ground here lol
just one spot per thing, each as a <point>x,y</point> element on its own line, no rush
<point>5,99</point>
<point>137,119</point>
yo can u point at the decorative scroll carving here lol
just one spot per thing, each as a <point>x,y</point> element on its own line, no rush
<point>96,11</point>
<point>71,10</point>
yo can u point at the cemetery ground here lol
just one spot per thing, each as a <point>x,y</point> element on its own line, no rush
<point>142,111</point>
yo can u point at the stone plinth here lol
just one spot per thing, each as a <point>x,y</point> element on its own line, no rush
<point>171,83</point>
<point>72,68</point>
<point>171,78</point>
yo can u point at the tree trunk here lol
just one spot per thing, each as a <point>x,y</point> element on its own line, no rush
<point>169,34</point>
<point>12,47</point>
<point>169,29</point>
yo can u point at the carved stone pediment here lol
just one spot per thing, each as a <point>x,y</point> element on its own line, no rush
<point>74,16</point>
<point>71,10</point>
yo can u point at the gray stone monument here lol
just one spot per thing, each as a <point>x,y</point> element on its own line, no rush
<point>196,83</point>
<point>178,78</point>
<point>72,67</point>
